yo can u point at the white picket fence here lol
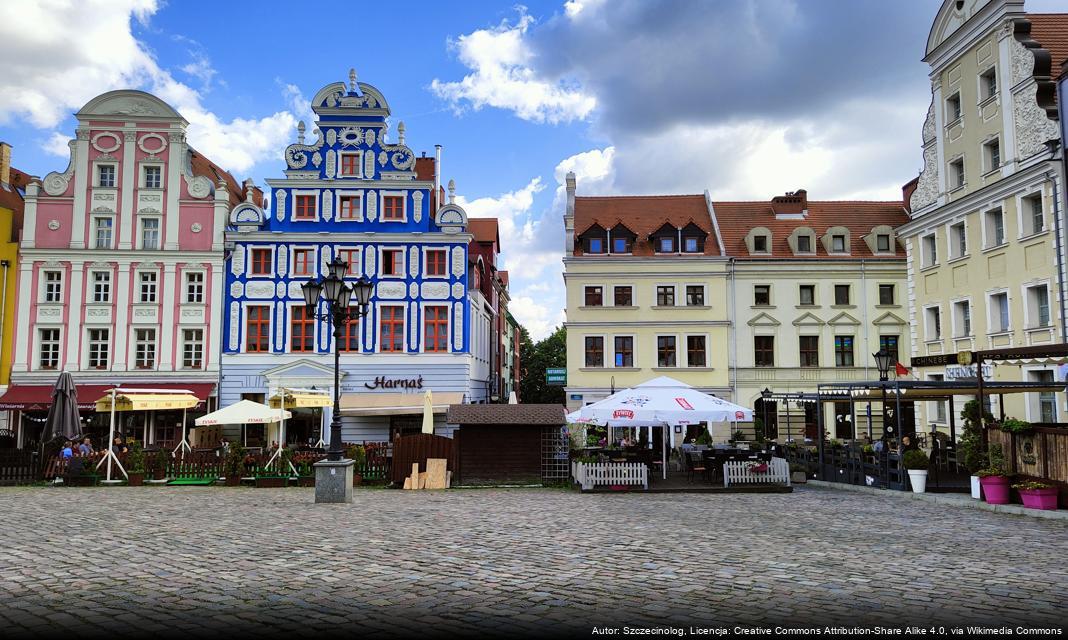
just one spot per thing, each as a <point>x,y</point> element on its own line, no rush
<point>611,473</point>
<point>738,473</point>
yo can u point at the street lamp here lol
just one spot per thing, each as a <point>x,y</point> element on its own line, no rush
<point>338,295</point>
<point>882,363</point>
<point>765,397</point>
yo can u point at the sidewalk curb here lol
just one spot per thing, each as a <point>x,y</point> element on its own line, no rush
<point>957,500</point>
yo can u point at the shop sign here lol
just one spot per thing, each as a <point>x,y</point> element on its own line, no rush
<point>382,382</point>
<point>955,372</point>
<point>555,376</point>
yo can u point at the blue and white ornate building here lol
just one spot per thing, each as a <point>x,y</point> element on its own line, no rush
<point>352,193</point>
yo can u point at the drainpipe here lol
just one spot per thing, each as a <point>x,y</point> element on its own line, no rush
<point>867,327</point>
<point>437,175</point>
<point>3,297</point>
<point>733,334</point>
<point>1052,175</point>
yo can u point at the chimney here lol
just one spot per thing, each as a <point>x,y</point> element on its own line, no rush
<point>570,186</point>
<point>5,163</point>
<point>792,205</point>
<point>437,171</point>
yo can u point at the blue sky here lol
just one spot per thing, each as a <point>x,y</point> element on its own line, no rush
<point>745,98</point>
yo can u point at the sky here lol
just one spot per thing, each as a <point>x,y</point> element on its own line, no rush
<point>744,98</point>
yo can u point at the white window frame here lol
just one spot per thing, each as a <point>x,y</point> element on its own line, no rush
<point>958,322</point>
<point>686,350</point>
<point>1026,229</point>
<point>674,297</point>
<point>771,289</point>
<point>1031,317</point>
<point>953,243</point>
<point>89,348</point>
<point>93,286</point>
<point>293,208</point>
<point>927,323</point>
<point>44,286</point>
<point>937,412</point>
<point>39,350</point>
<point>448,328</point>
<point>405,331</point>
<point>403,270</point>
<point>249,262</point>
<point>313,263</point>
<point>704,295</point>
<point>96,174</point>
<point>187,284</point>
<point>382,195</point>
<point>289,307</point>
<point>185,344</point>
<point>633,293</point>
<point>929,250</point>
<point>1033,404</point>
<point>140,287</point>
<point>137,342</point>
<point>95,230</point>
<point>359,164</point>
<point>271,320</point>
<point>656,351</point>
<point>604,351</point>
<point>994,312</point>
<point>989,238</point>
<point>143,182</point>
<point>358,261</point>
<point>341,193</point>
<point>604,294</point>
<point>141,220</point>
<point>633,350</point>
<point>893,291</point>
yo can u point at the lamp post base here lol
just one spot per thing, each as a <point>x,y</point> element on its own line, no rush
<point>333,481</point>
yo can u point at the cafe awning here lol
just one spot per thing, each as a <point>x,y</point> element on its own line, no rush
<point>929,389</point>
<point>38,397</point>
<point>395,404</point>
<point>243,412</point>
<point>148,400</point>
<point>301,398</point>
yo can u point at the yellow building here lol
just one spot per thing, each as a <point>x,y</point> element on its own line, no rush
<point>12,186</point>
<point>646,282</point>
<point>983,256</point>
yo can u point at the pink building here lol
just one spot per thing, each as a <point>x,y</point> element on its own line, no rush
<point>120,266</point>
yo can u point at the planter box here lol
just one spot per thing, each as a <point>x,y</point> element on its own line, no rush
<point>232,481</point>
<point>918,480</point>
<point>798,477</point>
<point>357,480</point>
<point>1043,499</point>
<point>308,481</point>
<point>996,489</point>
<point>271,482</point>
<point>159,474</point>
<point>135,479</point>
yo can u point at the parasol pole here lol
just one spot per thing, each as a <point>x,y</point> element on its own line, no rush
<point>281,424</point>
<point>183,445</point>
<point>110,451</point>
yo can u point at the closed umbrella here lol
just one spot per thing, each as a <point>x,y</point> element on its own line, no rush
<point>428,412</point>
<point>63,420</point>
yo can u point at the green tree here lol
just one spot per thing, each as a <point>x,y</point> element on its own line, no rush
<point>534,358</point>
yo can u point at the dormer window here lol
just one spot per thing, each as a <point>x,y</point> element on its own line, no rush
<point>596,245</point>
<point>760,244</point>
<point>693,238</point>
<point>594,240</point>
<point>882,242</point>
<point>622,239</point>
<point>666,245</point>
<point>804,244</point>
<point>620,245</point>
<point>838,244</point>
<point>689,245</point>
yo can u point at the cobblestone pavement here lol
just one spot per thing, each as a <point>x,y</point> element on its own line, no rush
<point>195,561</point>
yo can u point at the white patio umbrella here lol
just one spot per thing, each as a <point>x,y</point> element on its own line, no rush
<point>660,402</point>
<point>243,412</point>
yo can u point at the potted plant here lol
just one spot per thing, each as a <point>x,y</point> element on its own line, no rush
<point>993,477</point>
<point>305,473</point>
<point>358,454</point>
<point>80,474</point>
<point>797,473</point>
<point>277,476</point>
<point>135,465</point>
<point>1014,425</point>
<point>916,462</point>
<point>972,452</point>
<point>234,464</point>
<point>157,465</point>
<point>1037,495</point>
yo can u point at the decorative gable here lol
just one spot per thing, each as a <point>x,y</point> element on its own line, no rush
<point>889,319</point>
<point>762,319</point>
<point>808,319</point>
<point>843,319</point>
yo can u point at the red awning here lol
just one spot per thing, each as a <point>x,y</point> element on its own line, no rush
<point>38,397</point>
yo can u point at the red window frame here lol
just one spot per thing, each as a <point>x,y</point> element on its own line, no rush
<point>351,256</point>
<point>436,261</point>
<point>302,261</point>
<point>302,330</point>
<point>261,262</point>
<point>350,214</point>
<point>436,329</point>
<point>258,329</point>
<point>391,329</point>
<point>304,207</point>
<point>350,164</point>
<point>350,334</point>
<point>393,207</point>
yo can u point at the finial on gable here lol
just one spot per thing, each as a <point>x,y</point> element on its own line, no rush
<point>400,131</point>
<point>352,80</point>
<point>300,132</point>
<point>452,191</point>
<point>249,186</point>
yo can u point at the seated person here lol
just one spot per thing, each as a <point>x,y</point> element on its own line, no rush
<point>86,447</point>
<point>68,450</point>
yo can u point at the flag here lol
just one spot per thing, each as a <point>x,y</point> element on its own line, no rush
<point>900,369</point>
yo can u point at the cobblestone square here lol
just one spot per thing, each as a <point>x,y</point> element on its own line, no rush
<point>203,561</point>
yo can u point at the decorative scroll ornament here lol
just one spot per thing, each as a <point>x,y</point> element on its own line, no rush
<point>413,263</point>
<point>457,290</point>
<point>400,155</point>
<point>280,289</point>
<point>55,184</point>
<point>295,290</point>
<point>328,205</point>
<point>458,326</point>
<point>101,146</point>
<point>413,324</point>
<point>297,154</point>
<point>237,289</point>
<point>283,261</point>
<point>152,136</point>
<point>369,137</point>
<point>369,165</point>
<point>413,290</point>
<point>235,315</point>
<point>351,136</point>
<point>437,290</point>
<point>391,290</point>
<point>280,328</point>
<point>417,208</point>
<point>331,164</point>
<point>317,159</point>
<point>458,261</point>
<point>372,205</point>
<point>259,290</point>
<point>198,186</point>
<point>53,224</point>
<point>280,204</point>
<point>331,137</point>
<point>195,227</point>
<point>371,259</point>
<point>237,262</point>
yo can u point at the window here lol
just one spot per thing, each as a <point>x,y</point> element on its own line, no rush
<point>351,257</point>
<point>886,294</point>
<point>436,329</point>
<point>392,329</point>
<point>594,351</point>
<point>953,110</point>
<point>150,233</point>
<point>348,208</point>
<point>958,240</point>
<point>690,245</point>
<point>1034,220</point>
<point>1047,401</point>
<point>841,294</point>
<point>105,175</point>
<point>995,228</point>
<point>393,265</point>
<point>882,242</point>
<point>261,262</point>
<point>988,84</point>
<point>962,318</point>
<point>302,325</point>
<point>147,290</point>
<point>992,155</point>
<point>1038,306</point>
<point>304,207</point>
<point>999,310</point>
<point>193,348</point>
<point>49,348</point>
<point>350,165</point>
<point>760,244</point>
<point>762,295</point>
<point>624,351</point>
<point>665,296</point>
<point>843,351</point>
<point>101,286</point>
<point>695,295</point>
<point>393,207</point>
<point>809,350</point>
<point>258,329</point>
<point>594,296</point>
<point>956,173</point>
<point>53,286</point>
<point>764,351</point>
<point>938,406</point>
<point>621,245</point>
<point>807,293</point>
<point>838,244</point>
<point>194,287</point>
<point>350,333</point>
<point>144,348</point>
<point>303,259</point>
<point>666,245</point>
<point>665,351</point>
<point>623,297</point>
<point>930,250</point>
<point>889,345</point>
<point>436,262</point>
<point>102,232</point>
<point>695,351</point>
<point>99,343</point>
<point>596,245</point>
<point>804,244</point>
<point>934,323</point>
<point>153,177</point>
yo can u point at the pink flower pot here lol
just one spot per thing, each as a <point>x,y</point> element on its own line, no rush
<point>995,489</point>
<point>1044,499</point>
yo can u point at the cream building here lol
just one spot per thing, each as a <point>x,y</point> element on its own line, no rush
<point>986,270</point>
<point>646,282</point>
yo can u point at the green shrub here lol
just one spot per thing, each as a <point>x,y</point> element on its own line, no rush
<point>915,460</point>
<point>135,457</point>
<point>995,463</point>
<point>234,463</point>
<point>1014,425</point>
<point>971,441</point>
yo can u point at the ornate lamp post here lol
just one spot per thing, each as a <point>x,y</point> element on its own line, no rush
<point>765,397</point>
<point>882,363</point>
<point>338,296</point>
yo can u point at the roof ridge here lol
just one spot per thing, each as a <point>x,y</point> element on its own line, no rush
<point>620,197</point>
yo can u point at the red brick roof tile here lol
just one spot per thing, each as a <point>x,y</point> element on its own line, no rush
<point>484,229</point>
<point>1051,31</point>
<point>643,215</point>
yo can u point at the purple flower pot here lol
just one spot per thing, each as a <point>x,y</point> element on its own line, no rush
<point>995,489</point>
<point>1044,499</point>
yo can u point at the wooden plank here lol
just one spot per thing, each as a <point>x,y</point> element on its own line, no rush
<point>422,481</point>
<point>407,483</point>
<point>448,479</point>
<point>435,470</point>
<point>413,480</point>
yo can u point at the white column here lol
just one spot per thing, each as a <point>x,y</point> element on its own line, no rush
<point>167,322</point>
<point>122,297</point>
<point>29,217</point>
<point>82,170</point>
<point>213,333</point>
<point>1008,126</point>
<point>175,157</point>
<point>24,325</point>
<point>74,321</point>
<point>126,217</point>
<point>940,132</point>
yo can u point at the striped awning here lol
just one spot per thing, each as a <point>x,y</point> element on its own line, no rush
<point>394,404</point>
<point>301,398</point>
<point>148,400</point>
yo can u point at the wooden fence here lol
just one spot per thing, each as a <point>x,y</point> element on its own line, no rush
<point>1041,453</point>
<point>18,466</point>
<point>416,449</point>
<point>741,472</point>
<point>851,466</point>
<point>589,475</point>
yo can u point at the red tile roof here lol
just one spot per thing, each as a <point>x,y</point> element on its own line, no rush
<point>484,229</point>
<point>644,215</point>
<point>735,219</point>
<point>504,277</point>
<point>424,169</point>
<point>204,167</point>
<point>1051,31</point>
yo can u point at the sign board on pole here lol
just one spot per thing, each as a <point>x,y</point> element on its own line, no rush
<point>555,376</point>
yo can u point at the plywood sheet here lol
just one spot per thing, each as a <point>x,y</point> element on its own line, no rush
<point>436,469</point>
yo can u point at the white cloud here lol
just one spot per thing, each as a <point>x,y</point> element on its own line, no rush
<point>535,315</point>
<point>56,145</point>
<point>504,78</point>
